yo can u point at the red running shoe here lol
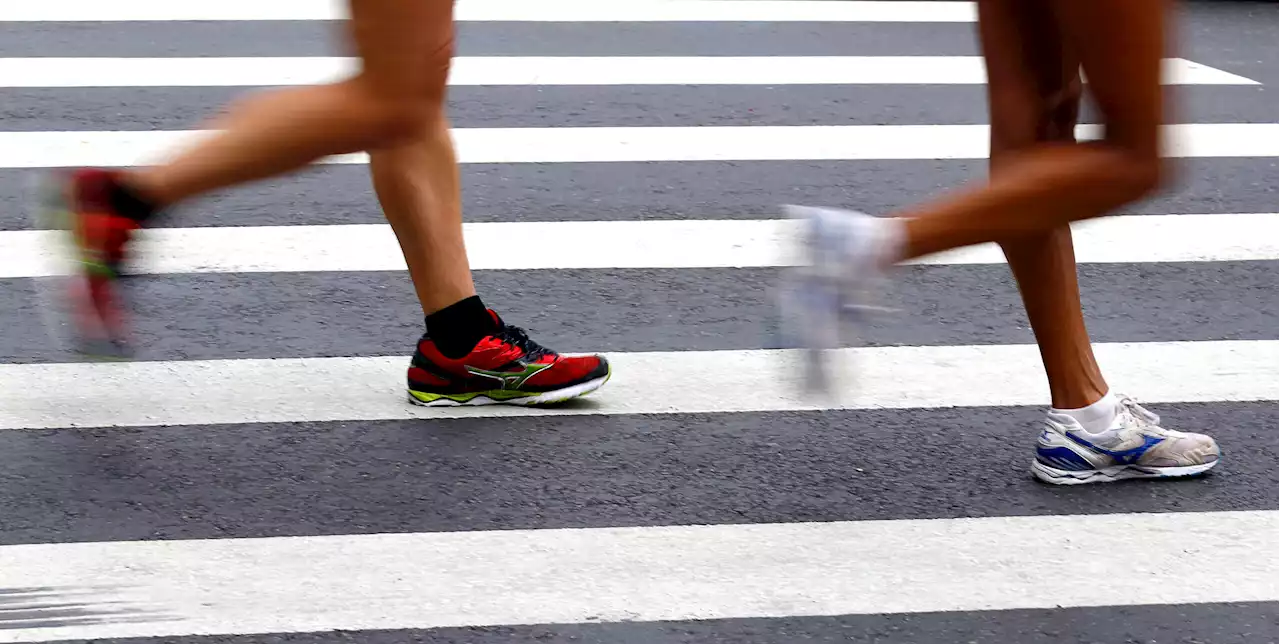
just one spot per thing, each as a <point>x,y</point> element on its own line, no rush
<point>77,204</point>
<point>506,367</point>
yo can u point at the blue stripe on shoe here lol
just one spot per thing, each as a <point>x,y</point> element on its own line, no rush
<point>1063,458</point>
<point>1122,457</point>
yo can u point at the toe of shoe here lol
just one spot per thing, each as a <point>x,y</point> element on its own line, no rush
<point>572,370</point>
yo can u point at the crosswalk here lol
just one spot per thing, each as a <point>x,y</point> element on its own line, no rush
<point>671,243</point>
<point>651,144</point>
<point>258,473</point>
<point>544,70</point>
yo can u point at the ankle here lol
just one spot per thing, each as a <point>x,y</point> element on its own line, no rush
<point>129,198</point>
<point>1095,416</point>
<point>458,328</point>
<point>892,242</point>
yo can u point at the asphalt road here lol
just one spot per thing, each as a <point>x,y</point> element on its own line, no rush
<point>362,477</point>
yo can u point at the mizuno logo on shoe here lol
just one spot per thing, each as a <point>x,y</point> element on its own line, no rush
<point>1125,457</point>
<point>510,379</point>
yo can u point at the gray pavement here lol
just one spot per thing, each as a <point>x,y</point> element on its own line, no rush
<point>297,315</point>
<point>326,478</point>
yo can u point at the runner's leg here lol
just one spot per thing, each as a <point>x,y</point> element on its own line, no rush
<point>394,108</point>
<point>1091,434</point>
<point>469,355</point>
<point>416,179</point>
<point>263,136</point>
<point>1120,45</point>
<point>1034,89</point>
<point>417,185</point>
<point>1034,190</point>
<point>279,131</point>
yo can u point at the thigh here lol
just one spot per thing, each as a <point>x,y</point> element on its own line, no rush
<point>1121,45</point>
<point>405,46</point>
<point>1033,79</point>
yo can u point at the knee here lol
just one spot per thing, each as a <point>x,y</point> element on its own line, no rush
<point>401,120</point>
<point>405,109</point>
<point>1131,152</point>
<point>1136,173</point>
<point>1132,160</point>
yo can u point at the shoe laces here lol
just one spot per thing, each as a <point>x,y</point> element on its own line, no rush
<point>517,336</point>
<point>1138,417</point>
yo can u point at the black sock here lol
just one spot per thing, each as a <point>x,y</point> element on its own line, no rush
<point>459,327</point>
<point>129,203</point>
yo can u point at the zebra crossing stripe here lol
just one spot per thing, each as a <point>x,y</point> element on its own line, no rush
<point>547,70</point>
<point>617,244</point>
<point>636,144</point>
<point>443,579</point>
<point>209,392</point>
<point>504,11</point>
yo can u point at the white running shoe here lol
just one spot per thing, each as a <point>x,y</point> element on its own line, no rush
<point>1135,446</point>
<point>838,256</point>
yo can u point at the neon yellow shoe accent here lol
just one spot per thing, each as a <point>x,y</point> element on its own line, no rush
<point>511,380</point>
<point>493,394</point>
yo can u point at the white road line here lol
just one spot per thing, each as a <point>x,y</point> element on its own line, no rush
<point>617,244</point>
<point>459,579</point>
<point>520,70</point>
<point>638,144</point>
<point>141,394</point>
<point>503,10</point>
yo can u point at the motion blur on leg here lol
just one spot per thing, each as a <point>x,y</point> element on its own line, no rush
<point>1041,181</point>
<point>394,108</point>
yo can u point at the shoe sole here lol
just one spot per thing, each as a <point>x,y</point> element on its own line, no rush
<point>1056,476</point>
<point>482,398</point>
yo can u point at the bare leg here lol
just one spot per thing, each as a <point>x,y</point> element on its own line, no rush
<point>417,184</point>
<point>1120,45</point>
<point>1041,180</point>
<point>393,101</point>
<point>1034,93</point>
<point>285,130</point>
<point>394,108</point>
<point>266,135</point>
<point>417,180</point>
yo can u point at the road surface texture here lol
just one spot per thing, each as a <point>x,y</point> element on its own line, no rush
<point>257,476</point>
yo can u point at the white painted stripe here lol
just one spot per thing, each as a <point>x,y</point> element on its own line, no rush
<point>503,10</point>
<point>618,244</point>
<point>368,388</point>
<point>458,579</point>
<point>555,70</point>
<point>635,144</point>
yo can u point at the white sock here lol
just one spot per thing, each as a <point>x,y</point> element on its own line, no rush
<point>893,237</point>
<point>879,239</point>
<point>1095,418</point>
